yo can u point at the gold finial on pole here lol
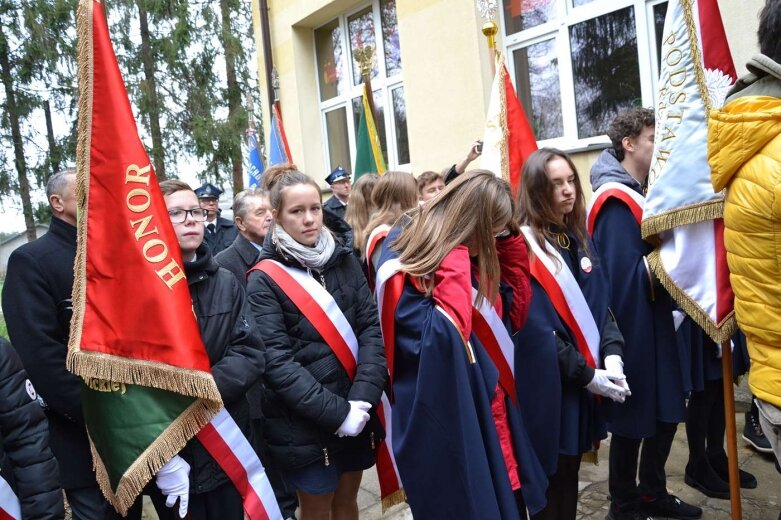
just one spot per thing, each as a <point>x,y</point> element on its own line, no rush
<point>489,31</point>
<point>365,58</point>
<point>488,10</point>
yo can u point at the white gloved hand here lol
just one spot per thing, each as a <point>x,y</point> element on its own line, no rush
<point>356,419</point>
<point>678,317</point>
<point>615,365</point>
<point>173,479</point>
<point>603,384</point>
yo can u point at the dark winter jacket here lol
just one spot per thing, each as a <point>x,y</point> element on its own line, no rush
<point>26,462</point>
<point>238,258</point>
<point>223,236</point>
<point>37,308</point>
<point>307,389</point>
<point>235,352</point>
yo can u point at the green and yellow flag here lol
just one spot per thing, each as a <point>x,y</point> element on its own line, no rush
<point>368,156</point>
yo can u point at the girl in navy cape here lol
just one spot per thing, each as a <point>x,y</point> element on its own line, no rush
<point>557,386</point>
<point>459,441</point>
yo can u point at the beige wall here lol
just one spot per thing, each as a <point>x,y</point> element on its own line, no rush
<point>446,74</point>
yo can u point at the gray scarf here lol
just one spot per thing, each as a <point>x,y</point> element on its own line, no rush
<point>313,257</point>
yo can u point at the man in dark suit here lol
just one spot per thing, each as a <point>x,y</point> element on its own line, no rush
<point>220,232</point>
<point>37,307</point>
<point>252,216</point>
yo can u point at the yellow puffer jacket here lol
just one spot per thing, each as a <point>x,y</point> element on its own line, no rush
<point>744,150</point>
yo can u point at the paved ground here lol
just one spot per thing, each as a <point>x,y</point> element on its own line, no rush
<point>763,503</point>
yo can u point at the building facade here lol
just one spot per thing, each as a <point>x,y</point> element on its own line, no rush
<point>575,64</point>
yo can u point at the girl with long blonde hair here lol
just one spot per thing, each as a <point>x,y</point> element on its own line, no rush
<point>457,437</point>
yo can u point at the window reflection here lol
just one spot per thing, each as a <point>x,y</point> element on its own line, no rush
<point>660,12</point>
<point>537,83</point>
<point>400,120</point>
<point>329,50</point>
<point>605,69</point>
<point>379,112</point>
<point>390,37</point>
<point>336,132</point>
<point>361,29</point>
<point>524,14</point>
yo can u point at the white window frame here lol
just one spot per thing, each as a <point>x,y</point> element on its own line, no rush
<point>385,85</point>
<point>558,29</point>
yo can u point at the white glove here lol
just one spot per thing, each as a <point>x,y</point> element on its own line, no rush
<point>603,384</point>
<point>173,479</point>
<point>356,419</point>
<point>615,365</point>
<point>678,317</point>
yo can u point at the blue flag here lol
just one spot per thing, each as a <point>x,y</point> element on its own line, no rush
<point>253,158</point>
<point>278,151</point>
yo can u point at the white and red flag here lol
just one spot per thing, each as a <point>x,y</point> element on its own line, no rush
<point>681,210</point>
<point>508,139</point>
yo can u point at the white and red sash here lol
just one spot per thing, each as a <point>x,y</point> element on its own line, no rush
<point>319,307</point>
<point>10,508</point>
<point>492,333</point>
<point>227,445</point>
<point>390,284</point>
<point>624,193</point>
<point>550,270</point>
<point>379,233</point>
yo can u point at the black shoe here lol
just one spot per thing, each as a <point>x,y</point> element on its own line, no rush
<point>747,480</point>
<point>752,431</point>
<point>626,512</point>
<point>708,483</point>
<point>671,506</point>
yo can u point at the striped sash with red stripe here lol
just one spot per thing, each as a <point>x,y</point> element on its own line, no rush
<point>319,307</point>
<point>390,284</point>
<point>227,445</point>
<point>615,190</point>
<point>550,270</point>
<point>492,333</point>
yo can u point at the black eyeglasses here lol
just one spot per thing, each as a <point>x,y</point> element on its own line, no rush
<point>179,216</point>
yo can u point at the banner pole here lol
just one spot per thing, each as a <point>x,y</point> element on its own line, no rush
<point>732,440</point>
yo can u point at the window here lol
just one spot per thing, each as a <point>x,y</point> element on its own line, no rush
<point>578,63</point>
<point>341,85</point>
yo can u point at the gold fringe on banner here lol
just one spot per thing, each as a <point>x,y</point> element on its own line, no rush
<point>394,499</point>
<point>718,332</point>
<point>701,212</point>
<point>84,53</point>
<point>505,158</point>
<point>194,383</point>
<point>146,466</point>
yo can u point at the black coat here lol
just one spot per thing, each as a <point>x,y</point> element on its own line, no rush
<point>235,353</point>
<point>37,308</point>
<point>26,461</point>
<point>306,388</point>
<point>238,258</point>
<point>223,236</point>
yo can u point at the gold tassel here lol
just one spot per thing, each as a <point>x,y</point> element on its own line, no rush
<point>680,217</point>
<point>394,499</point>
<point>718,332</point>
<point>590,457</point>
